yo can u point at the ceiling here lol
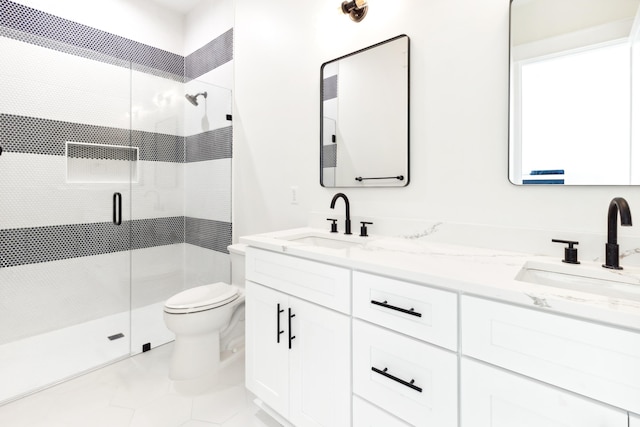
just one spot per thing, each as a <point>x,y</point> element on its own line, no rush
<point>181,6</point>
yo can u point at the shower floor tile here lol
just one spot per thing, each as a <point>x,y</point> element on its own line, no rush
<point>136,392</point>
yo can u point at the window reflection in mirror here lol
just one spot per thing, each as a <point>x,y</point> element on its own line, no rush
<point>570,95</point>
<point>365,117</point>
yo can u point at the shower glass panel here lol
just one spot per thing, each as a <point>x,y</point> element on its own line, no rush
<point>65,211</point>
<point>157,240</point>
<point>208,146</point>
<point>181,204</point>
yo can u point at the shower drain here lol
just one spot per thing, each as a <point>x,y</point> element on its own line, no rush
<point>116,336</point>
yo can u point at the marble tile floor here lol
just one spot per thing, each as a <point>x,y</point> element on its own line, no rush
<point>136,392</point>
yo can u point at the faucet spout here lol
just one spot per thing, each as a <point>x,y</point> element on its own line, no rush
<point>612,256</point>
<point>347,222</point>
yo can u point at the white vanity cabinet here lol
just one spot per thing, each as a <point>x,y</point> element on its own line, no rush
<point>492,397</point>
<point>298,359</point>
<point>410,378</point>
<point>366,414</point>
<point>329,346</point>
<point>596,361</point>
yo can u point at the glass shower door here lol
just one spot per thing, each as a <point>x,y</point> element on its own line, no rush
<point>65,172</point>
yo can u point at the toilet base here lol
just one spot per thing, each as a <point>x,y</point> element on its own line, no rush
<point>208,381</point>
<point>195,356</point>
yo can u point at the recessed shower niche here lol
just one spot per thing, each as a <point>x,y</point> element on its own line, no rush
<point>101,163</point>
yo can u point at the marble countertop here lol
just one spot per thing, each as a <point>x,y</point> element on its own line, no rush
<point>468,270</point>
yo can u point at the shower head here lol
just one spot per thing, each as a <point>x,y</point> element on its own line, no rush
<point>194,98</point>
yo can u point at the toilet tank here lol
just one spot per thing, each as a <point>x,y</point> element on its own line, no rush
<point>237,254</point>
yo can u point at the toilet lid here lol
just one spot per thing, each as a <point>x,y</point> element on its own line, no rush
<point>202,297</point>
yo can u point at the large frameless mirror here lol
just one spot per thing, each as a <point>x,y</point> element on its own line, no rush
<point>364,112</point>
<point>571,93</point>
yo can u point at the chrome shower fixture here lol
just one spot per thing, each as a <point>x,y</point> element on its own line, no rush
<point>194,98</point>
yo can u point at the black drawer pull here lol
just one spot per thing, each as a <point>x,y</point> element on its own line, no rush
<point>280,310</point>
<point>396,379</point>
<point>393,307</point>
<point>291,336</point>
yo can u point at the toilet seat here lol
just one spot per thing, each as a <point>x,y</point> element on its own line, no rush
<point>201,298</point>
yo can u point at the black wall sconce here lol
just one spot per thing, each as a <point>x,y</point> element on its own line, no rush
<point>356,9</point>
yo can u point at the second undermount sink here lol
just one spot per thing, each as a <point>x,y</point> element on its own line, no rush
<point>584,277</point>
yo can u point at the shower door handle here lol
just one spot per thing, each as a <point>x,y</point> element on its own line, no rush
<point>117,208</point>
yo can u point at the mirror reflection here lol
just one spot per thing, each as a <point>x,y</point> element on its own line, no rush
<point>571,115</point>
<point>364,110</point>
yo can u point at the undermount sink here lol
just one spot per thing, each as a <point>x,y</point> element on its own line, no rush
<point>325,242</point>
<point>586,278</point>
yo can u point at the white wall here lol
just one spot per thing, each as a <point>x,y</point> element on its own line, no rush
<point>459,109</point>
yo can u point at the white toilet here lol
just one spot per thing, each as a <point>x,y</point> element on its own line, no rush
<point>208,322</point>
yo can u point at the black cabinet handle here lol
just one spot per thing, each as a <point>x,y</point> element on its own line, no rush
<point>393,307</point>
<point>117,208</point>
<point>279,331</point>
<point>396,379</point>
<point>291,337</point>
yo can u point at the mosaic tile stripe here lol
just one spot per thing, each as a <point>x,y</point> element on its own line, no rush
<point>158,147</point>
<point>43,29</point>
<point>51,243</point>
<point>98,152</point>
<point>217,52</point>
<point>211,145</point>
<point>23,134</point>
<point>329,156</point>
<point>208,234</point>
<point>148,233</point>
<point>330,88</point>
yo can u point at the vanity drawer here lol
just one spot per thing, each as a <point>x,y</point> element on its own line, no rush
<point>594,360</point>
<point>419,311</point>
<point>412,380</point>
<point>320,283</point>
<point>367,415</point>
<point>493,397</point>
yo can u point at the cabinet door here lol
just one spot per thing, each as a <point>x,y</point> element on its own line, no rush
<point>495,398</point>
<point>634,420</point>
<point>267,360</point>
<point>366,414</point>
<point>320,366</point>
<point>598,361</point>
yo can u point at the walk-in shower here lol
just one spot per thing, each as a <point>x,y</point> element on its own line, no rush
<point>112,201</point>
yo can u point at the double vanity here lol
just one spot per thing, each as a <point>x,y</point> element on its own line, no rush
<point>343,330</point>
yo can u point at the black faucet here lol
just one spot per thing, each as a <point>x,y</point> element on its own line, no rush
<point>347,222</point>
<point>612,257</point>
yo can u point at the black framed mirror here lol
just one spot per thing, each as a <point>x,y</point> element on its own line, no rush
<point>364,117</point>
<point>572,119</point>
